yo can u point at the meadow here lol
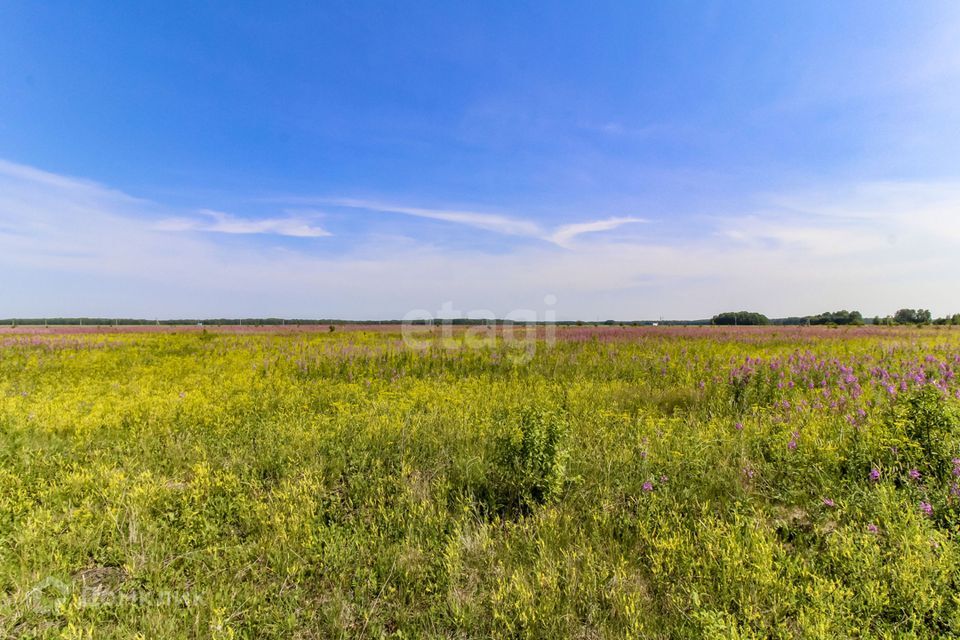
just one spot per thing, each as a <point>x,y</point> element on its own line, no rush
<point>621,482</point>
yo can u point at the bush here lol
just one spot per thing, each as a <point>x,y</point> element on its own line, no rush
<point>529,460</point>
<point>931,426</point>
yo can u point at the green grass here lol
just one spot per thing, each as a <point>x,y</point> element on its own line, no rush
<point>340,485</point>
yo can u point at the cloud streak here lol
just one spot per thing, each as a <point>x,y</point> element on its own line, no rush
<point>219,222</point>
<point>72,247</point>
<point>506,225</point>
<point>486,221</point>
<point>564,235</point>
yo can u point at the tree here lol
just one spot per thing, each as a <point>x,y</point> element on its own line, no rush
<point>905,316</point>
<point>913,316</point>
<point>838,317</point>
<point>740,318</point>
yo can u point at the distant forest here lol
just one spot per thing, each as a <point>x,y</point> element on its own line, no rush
<point>732,318</point>
<point>836,318</point>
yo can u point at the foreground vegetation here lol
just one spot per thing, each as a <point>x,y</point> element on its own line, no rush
<point>652,483</point>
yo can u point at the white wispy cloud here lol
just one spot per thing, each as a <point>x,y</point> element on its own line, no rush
<point>73,247</point>
<point>487,221</point>
<point>565,234</point>
<point>879,217</point>
<point>219,222</point>
<point>562,236</point>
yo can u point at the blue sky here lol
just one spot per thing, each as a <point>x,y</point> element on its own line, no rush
<point>362,160</point>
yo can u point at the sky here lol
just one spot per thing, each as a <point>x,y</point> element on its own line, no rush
<point>595,160</point>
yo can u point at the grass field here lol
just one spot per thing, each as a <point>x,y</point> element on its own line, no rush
<point>635,482</point>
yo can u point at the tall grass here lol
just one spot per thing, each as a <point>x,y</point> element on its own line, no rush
<point>646,484</point>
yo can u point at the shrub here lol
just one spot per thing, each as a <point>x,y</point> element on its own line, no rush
<point>529,460</point>
<point>930,425</point>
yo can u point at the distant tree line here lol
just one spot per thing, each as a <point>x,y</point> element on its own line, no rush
<point>740,318</point>
<point>267,322</point>
<point>838,317</point>
<point>844,317</point>
<point>743,318</point>
<point>917,316</point>
<point>254,322</point>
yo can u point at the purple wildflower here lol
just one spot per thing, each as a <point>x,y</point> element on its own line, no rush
<point>828,502</point>
<point>648,486</point>
<point>792,445</point>
<point>926,508</point>
<point>738,426</point>
<point>872,528</point>
<point>874,474</point>
<point>914,474</point>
